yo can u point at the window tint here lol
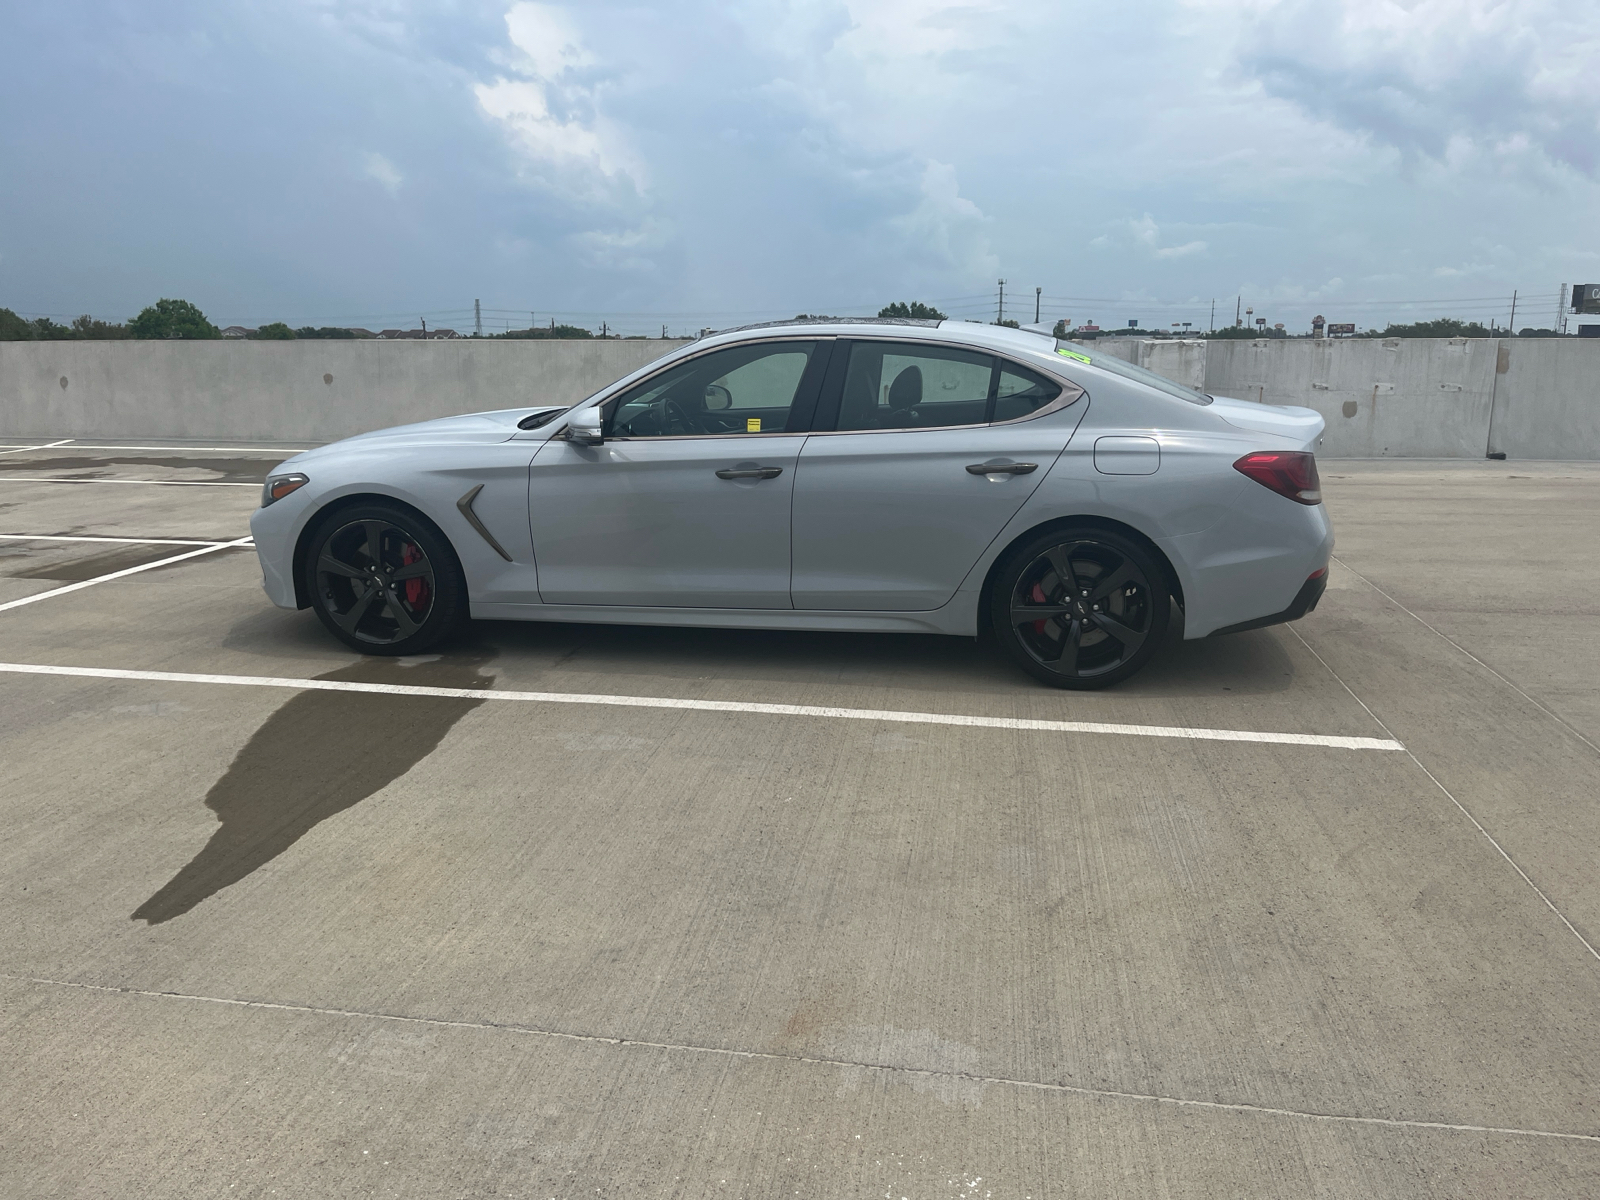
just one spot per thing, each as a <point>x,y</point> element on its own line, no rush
<point>1021,392</point>
<point>743,389</point>
<point>896,385</point>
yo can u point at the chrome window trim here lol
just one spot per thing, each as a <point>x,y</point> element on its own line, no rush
<point>1071,392</point>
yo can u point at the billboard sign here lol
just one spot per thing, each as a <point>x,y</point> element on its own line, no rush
<point>1346,328</point>
<point>1586,297</point>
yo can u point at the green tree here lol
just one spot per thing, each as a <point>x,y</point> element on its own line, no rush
<point>557,332</point>
<point>14,329</point>
<point>915,310</point>
<point>172,319</point>
<point>326,331</point>
<point>90,329</point>
<point>1444,327</point>
<point>1233,331</point>
<point>276,331</point>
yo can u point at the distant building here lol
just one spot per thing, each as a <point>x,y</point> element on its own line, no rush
<point>237,331</point>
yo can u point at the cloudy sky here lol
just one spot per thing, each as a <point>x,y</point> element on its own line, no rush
<point>376,161</point>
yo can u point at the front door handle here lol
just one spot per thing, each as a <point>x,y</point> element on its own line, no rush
<point>749,472</point>
<point>1001,468</point>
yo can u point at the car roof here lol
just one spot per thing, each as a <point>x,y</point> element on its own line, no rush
<point>1000,337</point>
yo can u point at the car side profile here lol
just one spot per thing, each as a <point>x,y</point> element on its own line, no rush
<point>873,475</point>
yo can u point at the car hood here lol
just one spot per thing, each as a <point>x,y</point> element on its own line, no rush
<point>1303,425</point>
<point>468,429</point>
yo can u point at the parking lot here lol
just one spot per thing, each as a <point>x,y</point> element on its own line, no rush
<point>1307,911</point>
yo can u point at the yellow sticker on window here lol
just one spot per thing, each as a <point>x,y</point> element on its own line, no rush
<point>1083,358</point>
<point>752,424</point>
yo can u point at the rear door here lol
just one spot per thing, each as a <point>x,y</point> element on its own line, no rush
<point>891,506</point>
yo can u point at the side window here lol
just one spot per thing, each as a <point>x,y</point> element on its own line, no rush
<point>901,385</point>
<point>1021,392</point>
<point>743,389</point>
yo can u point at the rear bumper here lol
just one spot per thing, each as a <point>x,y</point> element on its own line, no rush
<point>1304,601</point>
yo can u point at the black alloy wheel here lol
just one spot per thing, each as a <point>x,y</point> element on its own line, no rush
<point>384,580</point>
<point>1080,608</point>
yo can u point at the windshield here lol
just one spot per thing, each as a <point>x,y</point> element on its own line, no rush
<point>1121,366</point>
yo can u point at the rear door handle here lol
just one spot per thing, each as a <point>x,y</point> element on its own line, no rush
<point>1001,468</point>
<point>749,472</point>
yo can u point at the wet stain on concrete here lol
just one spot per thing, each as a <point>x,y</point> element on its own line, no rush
<point>319,754</point>
<point>69,568</point>
<point>230,470</point>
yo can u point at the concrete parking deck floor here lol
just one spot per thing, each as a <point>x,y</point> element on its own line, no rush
<point>265,940</point>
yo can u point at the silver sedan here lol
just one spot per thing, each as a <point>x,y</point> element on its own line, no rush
<point>916,476</point>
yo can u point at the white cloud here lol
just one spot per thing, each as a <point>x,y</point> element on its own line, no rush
<point>1145,235</point>
<point>551,111</point>
<point>376,167</point>
<point>946,227</point>
<point>1441,78</point>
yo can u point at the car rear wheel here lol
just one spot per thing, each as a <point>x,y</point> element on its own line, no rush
<point>384,580</point>
<point>1082,608</point>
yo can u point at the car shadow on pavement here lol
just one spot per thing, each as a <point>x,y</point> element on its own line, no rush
<point>317,755</point>
<point>1248,663</point>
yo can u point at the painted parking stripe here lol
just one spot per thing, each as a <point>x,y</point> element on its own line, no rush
<point>84,537</point>
<point>728,706</point>
<point>25,449</point>
<point>150,566</point>
<point>157,482</point>
<point>176,449</point>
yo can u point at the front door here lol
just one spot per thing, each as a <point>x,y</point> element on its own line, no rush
<point>888,514</point>
<point>687,502</point>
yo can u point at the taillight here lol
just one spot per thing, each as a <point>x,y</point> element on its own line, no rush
<point>1290,473</point>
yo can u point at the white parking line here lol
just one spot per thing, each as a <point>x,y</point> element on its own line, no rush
<point>151,566</point>
<point>157,482</point>
<point>176,449</point>
<point>731,706</point>
<point>84,537</point>
<point>24,449</point>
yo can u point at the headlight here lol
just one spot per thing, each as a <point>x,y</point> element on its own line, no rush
<point>279,486</point>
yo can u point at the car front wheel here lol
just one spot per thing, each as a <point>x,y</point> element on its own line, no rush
<point>384,580</point>
<point>1079,608</point>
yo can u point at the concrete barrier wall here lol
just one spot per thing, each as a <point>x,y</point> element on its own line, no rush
<point>301,391</point>
<point>1547,399</point>
<point>1398,397</point>
<point>1407,397</point>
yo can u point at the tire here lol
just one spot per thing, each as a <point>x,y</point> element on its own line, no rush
<point>1095,633</point>
<point>421,594</point>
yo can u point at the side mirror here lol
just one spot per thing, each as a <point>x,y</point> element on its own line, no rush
<point>718,397</point>
<point>587,427</point>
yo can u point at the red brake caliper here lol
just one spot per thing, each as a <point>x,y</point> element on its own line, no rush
<point>416,589</point>
<point>1038,597</point>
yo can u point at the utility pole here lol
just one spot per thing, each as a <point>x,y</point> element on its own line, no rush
<point>1560,323</point>
<point>1213,314</point>
<point>477,319</point>
<point>1512,328</point>
<point>602,330</point>
<point>663,333</point>
<point>1236,321</point>
<point>424,321</point>
<point>1037,292</point>
<point>1001,314</point>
